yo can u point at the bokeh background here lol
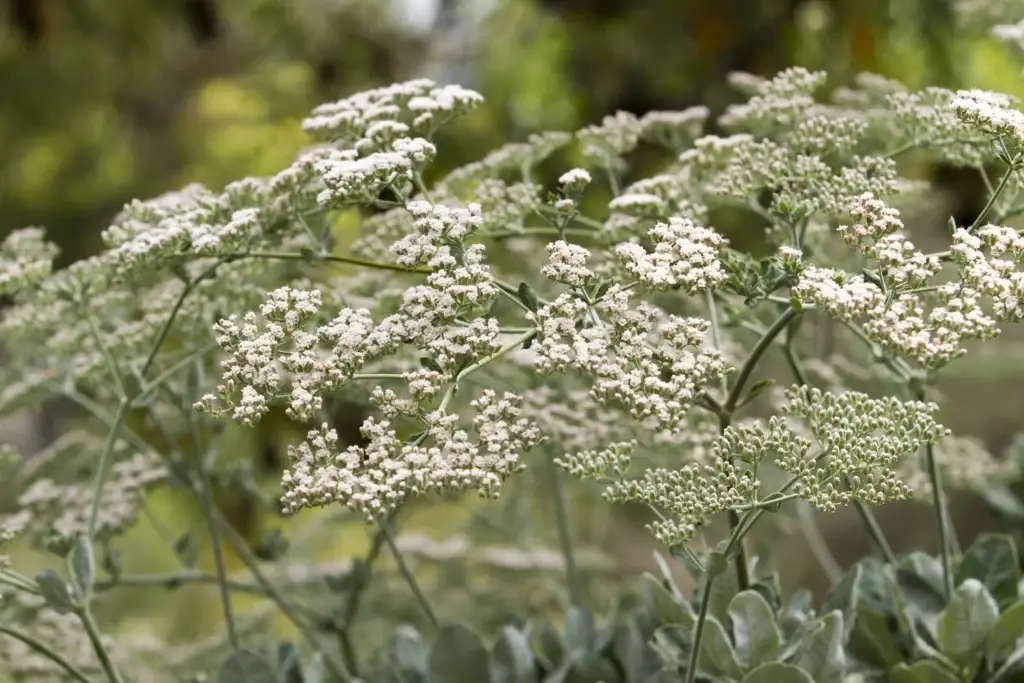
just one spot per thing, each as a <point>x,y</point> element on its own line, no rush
<point>102,102</point>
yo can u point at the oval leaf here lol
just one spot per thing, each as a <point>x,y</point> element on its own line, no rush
<point>579,630</point>
<point>54,590</point>
<point>992,559</point>
<point>754,630</point>
<point>458,656</point>
<point>669,608</point>
<point>83,566</point>
<point>244,666</point>
<point>922,672</point>
<point>404,658</point>
<point>777,672</point>
<point>1007,629</point>
<point>716,654</point>
<point>824,658</point>
<point>511,659</point>
<point>965,623</point>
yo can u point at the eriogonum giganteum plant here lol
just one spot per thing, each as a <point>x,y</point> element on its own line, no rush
<point>490,315</point>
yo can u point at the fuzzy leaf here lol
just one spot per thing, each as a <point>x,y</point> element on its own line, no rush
<point>579,630</point>
<point>458,656</point>
<point>966,622</point>
<point>404,658</point>
<point>754,630</point>
<point>669,608</point>
<point>777,672</point>
<point>83,566</point>
<point>992,559</point>
<point>244,666</point>
<point>824,658</point>
<point>716,653</point>
<point>511,658</point>
<point>54,590</point>
<point>922,672</point>
<point>1007,629</point>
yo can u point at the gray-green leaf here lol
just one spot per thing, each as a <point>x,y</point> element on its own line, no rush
<point>404,658</point>
<point>754,630</point>
<point>1007,629</point>
<point>244,666</point>
<point>511,659</point>
<point>669,608</point>
<point>992,559</point>
<point>83,567</point>
<point>777,672</point>
<point>922,672</point>
<point>458,656</point>
<point>54,590</point>
<point>716,654</point>
<point>967,620</point>
<point>824,658</point>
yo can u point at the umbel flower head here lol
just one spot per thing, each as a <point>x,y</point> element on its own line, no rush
<point>836,448</point>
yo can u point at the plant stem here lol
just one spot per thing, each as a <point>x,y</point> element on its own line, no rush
<point>169,581</point>
<point>332,258</point>
<point>355,595</point>
<point>817,543</point>
<point>206,502</point>
<point>572,575</point>
<point>106,462</point>
<point>874,530</point>
<point>939,502</point>
<point>698,631</point>
<point>408,575</point>
<point>755,356</point>
<point>241,549</point>
<point>85,616</point>
<point>45,651</point>
<point>993,197</point>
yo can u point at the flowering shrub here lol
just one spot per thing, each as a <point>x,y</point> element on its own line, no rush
<point>619,347</point>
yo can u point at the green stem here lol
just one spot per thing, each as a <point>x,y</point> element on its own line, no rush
<point>564,533</point>
<point>241,549</point>
<point>85,616</point>
<point>408,575</point>
<point>358,590</point>
<point>755,356</point>
<point>993,197</point>
<point>106,462</point>
<point>874,530</point>
<point>817,543</point>
<point>698,631</point>
<point>206,502</point>
<point>169,581</point>
<point>332,258</point>
<point>45,651</point>
<point>939,502</point>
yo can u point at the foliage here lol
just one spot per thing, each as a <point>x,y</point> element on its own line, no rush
<point>485,323</point>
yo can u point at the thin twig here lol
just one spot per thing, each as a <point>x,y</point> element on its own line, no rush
<point>45,651</point>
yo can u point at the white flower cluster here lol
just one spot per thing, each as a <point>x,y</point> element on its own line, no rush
<point>615,137</point>
<point>927,327</point>
<point>26,259</point>
<point>373,119</point>
<point>685,256</point>
<point>352,179</point>
<point>992,274</point>
<point>65,508</point>
<point>376,478</point>
<point>567,263</point>
<point>777,103</point>
<point>991,113</point>
<point>656,366</point>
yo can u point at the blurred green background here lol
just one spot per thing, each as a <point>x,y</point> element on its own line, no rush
<point>103,102</point>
